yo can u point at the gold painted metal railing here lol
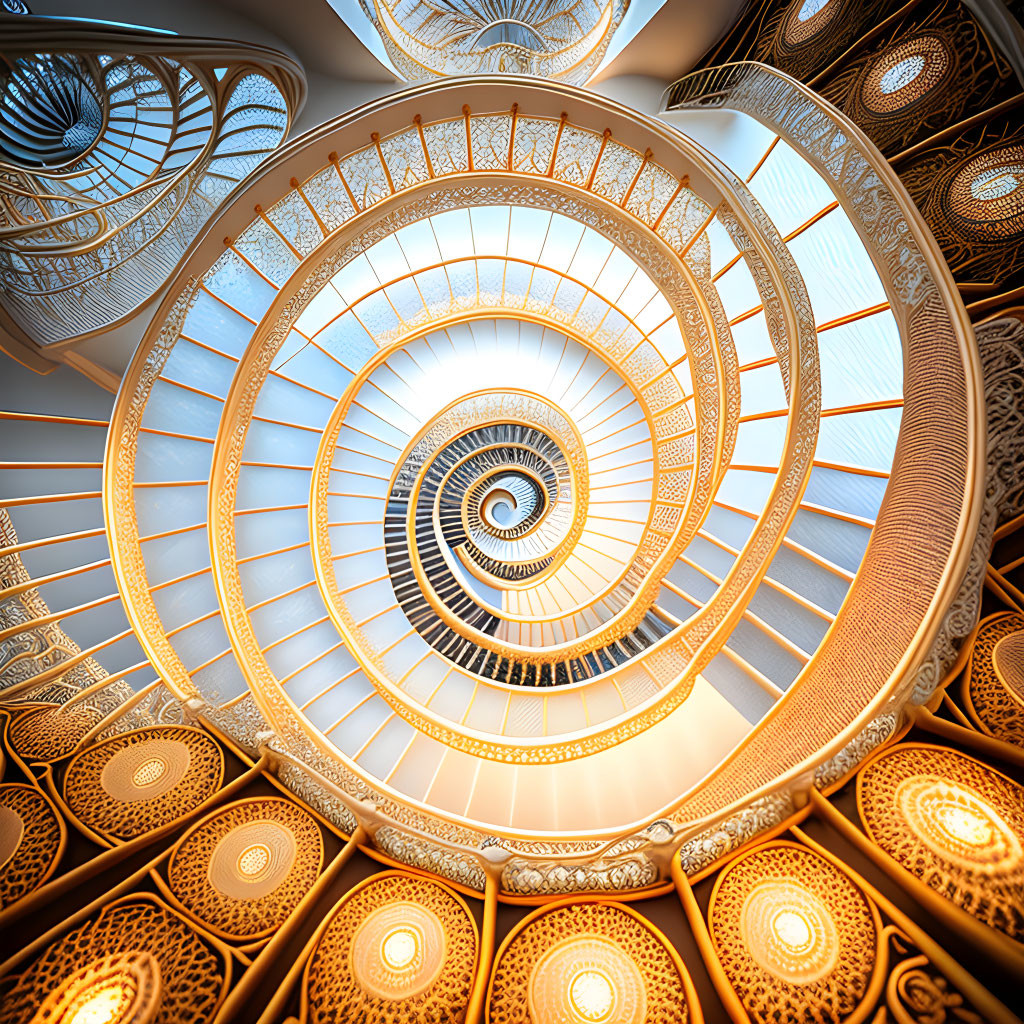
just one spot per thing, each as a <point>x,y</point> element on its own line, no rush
<point>753,789</point>
<point>116,145</point>
<point>557,40</point>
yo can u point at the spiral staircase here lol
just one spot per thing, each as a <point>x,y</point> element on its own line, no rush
<point>566,506</point>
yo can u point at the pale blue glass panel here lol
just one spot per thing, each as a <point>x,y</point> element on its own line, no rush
<point>761,390</point>
<point>709,556</point>
<point>342,699</point>
<point>201,642</point>
<point>385,629</point>
<point>223,677</point>
<point>738,291</point>
<point>403,656</point>
<point>616,276</point>
<point>354,509</point>
<point>355,279</point>
<point>268,531</point>
<point>752,340</point>
<point>286,614</point>
<point>181,411</point>
<point>744,489</point>
<point>668,340</point>
<point>789,189</point>
<point>453,233</point>
<point>563,240</point>
<point>387,259</point>
<point>760,442</point>
<point>377,314</point>
<point>322,308</point>
<point>693,583</point>
<point>670,602</point>
<point>738,688</point>
<point>263,578</point>
<point>275,442</point>
<point>590,257</point>
<point>380,756</point>
<point>861,361</point>
<point>419,244</point>
<point>346,339</point>
<point>168,508</point>
<point>185,601</point>
<point>765,654</point>
<point>722,249</point>
<point>171,458</point>
<point>285,400</point>
<point>199,367</point>
<point>792,620</point>
<point>836,269</point>
<point>846,492</point>
<point>840,542</point>
<point>317,677</point>
<point>490,226</point>
<point>360,725</point>
<point>526,232</point>
<point>261,486</point>
<point>866,438</point>
<point>240,286</point>
<point>405,297</point>
<point>825,589</point>
<point>738,139</point>
<point>167,558</point>
<point>728,526</point>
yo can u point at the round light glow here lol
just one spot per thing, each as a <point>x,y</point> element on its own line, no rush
<point>253,859</point>
<point>901,74</point>
<point>149,772</point>
<point>810,9</point>
<point>105,1006</point>
<point>997,182</point>
<point>399,948</point>
<point>792,930</point>
<point>592,996</point>
<point>963,825</point>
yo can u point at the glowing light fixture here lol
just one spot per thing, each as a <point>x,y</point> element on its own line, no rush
<point>810,9</point>
<point>253,860</point>
<point>399,948</point>
<point>901,74</point>
<point>103,1006</point>
<point>998,182</point>
<point>149,772</point>
<point>592,995</point>
<point>793,930</point>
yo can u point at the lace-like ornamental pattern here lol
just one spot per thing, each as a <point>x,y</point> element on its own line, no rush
<point>96,210</point>
<point>926,71</point>
<point>952,822</point>
<point>796,937</point>
<point>996,707</point>
<point>242,870</point>
<point>587,962</point>
<point>396,948</point>
<point>31,838</point>
<point>140,780</point>
<point>194,972</point>
<point>559,39</point>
